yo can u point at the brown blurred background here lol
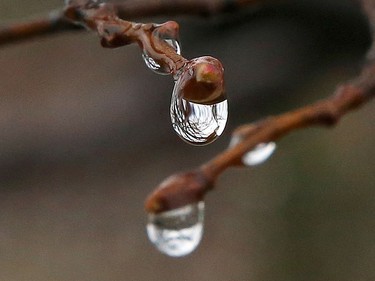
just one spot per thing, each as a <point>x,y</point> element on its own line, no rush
<point>86,135</point>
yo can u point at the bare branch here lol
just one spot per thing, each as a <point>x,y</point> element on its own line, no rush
<point>53,24</point>
<point>57,23</point>
<point>327,112</point>
<point>107,20</point>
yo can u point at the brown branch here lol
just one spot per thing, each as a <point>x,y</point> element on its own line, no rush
<point>57,23</point>
<point>53,24</point>
<point>115,32</point>
<point>189,187</point>
<point>105,19</point>
<point>200,80</point>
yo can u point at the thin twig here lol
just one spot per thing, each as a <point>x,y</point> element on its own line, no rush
<point>56,22</point>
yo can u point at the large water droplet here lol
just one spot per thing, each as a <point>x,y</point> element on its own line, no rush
<point>198,124</point>
<point>258,155</point>
<point>177,232</point>
<point>199,108</point>
<point>154,65</point>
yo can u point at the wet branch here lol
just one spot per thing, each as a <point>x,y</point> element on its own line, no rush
<point>57,22</point>
<point>186,188</point>
<point>107,20</point>
<point>189,187</point>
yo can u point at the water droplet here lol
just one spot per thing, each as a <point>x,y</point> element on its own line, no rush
<point>154,65</point>
<point>199,108</point>
<point>177,232</point>
<point>198,124</point>
<point>175,44</point>
<point>258,155</point>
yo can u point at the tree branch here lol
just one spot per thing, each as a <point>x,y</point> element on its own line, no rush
<point>57,23</point>
<point>189,187</point>
<point>106,20</point>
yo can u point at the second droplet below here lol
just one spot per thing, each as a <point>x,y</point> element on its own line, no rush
<point>177,232</point>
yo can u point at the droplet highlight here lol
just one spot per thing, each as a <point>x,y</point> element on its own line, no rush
<point>261,153</point>
<point>199,108</point>
<point>157,67</point>
<point>178,232</point>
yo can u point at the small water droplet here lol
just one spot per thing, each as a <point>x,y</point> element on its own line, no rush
<point>175,44</point>
<point>154,65</point>
<point>258,155</point>
<point>177,232</point>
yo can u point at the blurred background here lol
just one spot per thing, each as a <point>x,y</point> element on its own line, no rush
<point>86,135</point>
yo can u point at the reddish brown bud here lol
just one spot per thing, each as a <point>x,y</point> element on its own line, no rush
<point>177,191</point>
<point>202,81</point>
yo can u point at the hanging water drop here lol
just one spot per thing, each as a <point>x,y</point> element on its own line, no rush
<point>177,232</point>
<point>156,66</point>
<point>198,124</point>
<point>258,155</point>
<point>199,108</point>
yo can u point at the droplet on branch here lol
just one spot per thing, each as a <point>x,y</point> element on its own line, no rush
<point>259,154</point>
<point>156,66</point>
<point>199,108</point>
<point>169,33</point>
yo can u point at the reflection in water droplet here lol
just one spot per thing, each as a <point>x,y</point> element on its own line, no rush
<point>155,66</point>
<point>198,124</point>
<point>177,232</point>
<point>175,44</point>
<point>199,108</point>
<point>258,155</point>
